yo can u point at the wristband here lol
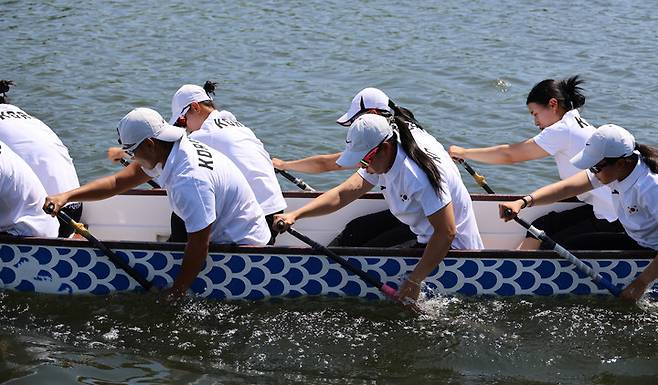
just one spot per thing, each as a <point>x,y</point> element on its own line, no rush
<point>525,202</point>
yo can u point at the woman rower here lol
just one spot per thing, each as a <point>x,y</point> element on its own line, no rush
<point>192,107</point>
<point>423,189</point>
<point>203,186</point>
<point>563,132</point>
<point>382,228</point>
<point>612,158</point>
<point>42,150</point>
<point>21,195</point>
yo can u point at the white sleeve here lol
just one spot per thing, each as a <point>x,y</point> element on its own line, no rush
<point>596,183</point>
<point>194,201</point>
<point>430,201</point>
<point>373,179</point>
<point>553,139</point>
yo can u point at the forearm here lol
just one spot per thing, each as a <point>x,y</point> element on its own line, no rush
<point>315,164</point>
<point>567,188</point>
<point>109,186</point>
<point>650,273</point>
<point>500,154</point>
<point>435,251</point>
<point>334,199</point>
<point>193,259</point>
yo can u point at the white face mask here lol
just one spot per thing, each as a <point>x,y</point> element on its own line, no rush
<point>155,171</point>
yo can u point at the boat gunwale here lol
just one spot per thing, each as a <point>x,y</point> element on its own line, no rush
<point>369,195</point>
<point>344,251</point>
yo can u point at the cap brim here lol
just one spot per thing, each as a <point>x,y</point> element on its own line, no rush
<point>174,119</point>
<point>343,120</point>
<point>584,161</point>
<point>170,133</point>
<point>350,158</point>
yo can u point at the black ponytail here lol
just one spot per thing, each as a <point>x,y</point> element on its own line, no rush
<point>209,86</point>
<point>418,155</point>
<point>649,155</point>
<point>4,88</point>
<point>567,92</point>
<point>404,113</point>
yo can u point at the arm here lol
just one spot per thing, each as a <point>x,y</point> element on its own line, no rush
<point>196,251</point>
<point>501,154</point>
<point>567,188</point>
<point>332,200</point>
<point>311,165</point>
<point>115,154</point>
<point>634,291</point>
<point>102,188</point>
<point>445,230</point>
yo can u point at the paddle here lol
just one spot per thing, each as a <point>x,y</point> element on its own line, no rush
<point>300,183</point>
<point>151,182</point>
<point>80,229</point>
<point>384,288</point>
<point>541,235</point>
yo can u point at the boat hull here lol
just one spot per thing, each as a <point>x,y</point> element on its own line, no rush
<point>71,267</point>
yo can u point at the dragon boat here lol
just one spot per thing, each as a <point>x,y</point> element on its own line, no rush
<point>135,225</point>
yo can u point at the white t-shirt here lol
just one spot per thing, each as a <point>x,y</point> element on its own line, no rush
<point>636,203</point>
<point>21,199</point>
<point>225,134</point>
<point>204,187</point>
<point>39,147</point>
<point>411,197</point>
<point>566,138</point>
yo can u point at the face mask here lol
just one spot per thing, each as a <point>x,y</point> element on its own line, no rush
<point>155,171</point>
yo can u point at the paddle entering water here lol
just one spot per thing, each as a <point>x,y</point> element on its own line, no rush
<point>297,181</point>
<point>120,263</point>
<point>384,288</point>
<point>541,235</point>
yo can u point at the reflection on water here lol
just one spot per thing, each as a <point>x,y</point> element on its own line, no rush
<point>133,339</point>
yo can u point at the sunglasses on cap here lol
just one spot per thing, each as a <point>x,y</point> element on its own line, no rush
<point>365,162</point>
<point>601,165</point>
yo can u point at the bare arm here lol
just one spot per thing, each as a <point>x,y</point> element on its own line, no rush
<point>332,200</point>
<point>124,180</point>
<point>567,188</point>
<point>312,165</point>
<point>501,154</point>
<point>196,252</point>
<point>445,230</point>
<point>635,290</point>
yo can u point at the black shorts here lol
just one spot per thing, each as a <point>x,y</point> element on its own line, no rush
<point>579,229</point>
<point>74,210</point>
<point>179,232</point>
<point>381,229</point>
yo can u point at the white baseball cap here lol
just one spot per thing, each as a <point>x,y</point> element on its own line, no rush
<point>608,141</point>
<point>185,96</point>
<point>367,132</point>
<point>144,123</point>
<point>367,99</point>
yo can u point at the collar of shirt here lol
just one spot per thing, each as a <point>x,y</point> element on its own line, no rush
<point>629,181</point>
<point>400,156</point>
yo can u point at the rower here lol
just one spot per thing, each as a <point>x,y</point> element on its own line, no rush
<point>424,190</point>
<point>563,132</point>
<point>192,107</point>
<point>21,194</point>
<point>42,150</point>
<point>612,158</point>
<point>381,229</point>
<point>203,186</point>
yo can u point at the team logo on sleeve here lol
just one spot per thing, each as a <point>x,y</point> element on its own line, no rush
<point>632,210</point>
<point>404,197</point>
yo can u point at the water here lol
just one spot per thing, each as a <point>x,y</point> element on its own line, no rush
<point>288,70</point>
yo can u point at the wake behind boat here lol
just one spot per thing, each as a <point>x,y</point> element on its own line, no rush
<point>136,224</point>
